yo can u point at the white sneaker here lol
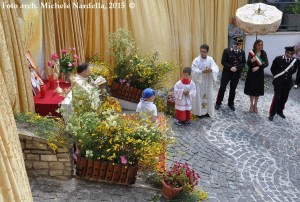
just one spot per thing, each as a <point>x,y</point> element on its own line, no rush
<point>295,86</point>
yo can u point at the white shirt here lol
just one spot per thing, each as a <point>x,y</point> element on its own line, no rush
<point>146,108</point>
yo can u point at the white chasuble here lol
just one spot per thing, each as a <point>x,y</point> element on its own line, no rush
<point>203,102</point>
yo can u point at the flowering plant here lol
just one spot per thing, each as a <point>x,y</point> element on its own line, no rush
<point>67,62</point>
<point>181,175</point>
<point>107,134</point>
<point>46,127</point>
<point>133,69</point>
<point>100,68</point>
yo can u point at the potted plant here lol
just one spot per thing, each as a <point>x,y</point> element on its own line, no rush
<point>179,177</point>
<point>291,17</point>
<point>133,71</point>
<point>109,141</point>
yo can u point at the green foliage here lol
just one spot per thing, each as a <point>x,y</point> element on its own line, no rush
<point>134,69</point>
<point>46,127</point>
<point>195,196</point>
<point>155,198</point>
<point>244,72</point>
<point>293,8</point>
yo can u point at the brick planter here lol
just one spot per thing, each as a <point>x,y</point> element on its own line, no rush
<point>41,160</point>
<point>126,92</point>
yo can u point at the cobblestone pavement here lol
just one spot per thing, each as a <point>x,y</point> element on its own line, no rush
<point>241,157</point>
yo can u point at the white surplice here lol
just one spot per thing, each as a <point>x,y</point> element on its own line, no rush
<point>182,102</point>
<point>203,102</point>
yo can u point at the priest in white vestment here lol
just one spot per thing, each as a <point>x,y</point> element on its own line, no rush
<point>204,73</point>
<point>80,83</point>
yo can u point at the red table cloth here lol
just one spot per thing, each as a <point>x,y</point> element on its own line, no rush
<point>51,102</point>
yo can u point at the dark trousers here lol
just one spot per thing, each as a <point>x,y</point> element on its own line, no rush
<point>297,82</point>
<point>281,94</point>
<point>234,80</point>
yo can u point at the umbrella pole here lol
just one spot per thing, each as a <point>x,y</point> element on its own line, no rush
<point>256,36</point>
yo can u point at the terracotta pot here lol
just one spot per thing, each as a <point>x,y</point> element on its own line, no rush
<point>169,192</point>
<point>117,172</point>
<point>109,171</point>
<point>96,169</point>
<point>103,169</point>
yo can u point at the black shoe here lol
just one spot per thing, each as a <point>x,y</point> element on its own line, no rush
<point>217,107</point>
<point>271,118</point>
<point>281,115</point>
<point>206,115</point>
<point>231,107</point>
<point>179,123</point>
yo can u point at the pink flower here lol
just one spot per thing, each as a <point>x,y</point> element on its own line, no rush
<point>123,160</point>
<point>54,56</point>
<point>63,51</point>
<point>50,64</point>
<point>75,64</point>
<point>73,49</point>
<point>76,57</point>
<point>70,65</point>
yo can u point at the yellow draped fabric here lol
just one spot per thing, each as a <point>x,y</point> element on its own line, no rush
<point>15,94</point>
<point>14,184</point>
<point>175,28</point>
<point>13,63</point>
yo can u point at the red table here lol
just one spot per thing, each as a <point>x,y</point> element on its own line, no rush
<point>50,103</point>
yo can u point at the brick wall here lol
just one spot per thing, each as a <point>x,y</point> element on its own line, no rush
<point>41,160</point>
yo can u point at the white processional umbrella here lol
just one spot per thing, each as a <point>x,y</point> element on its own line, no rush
<point>258,18</point>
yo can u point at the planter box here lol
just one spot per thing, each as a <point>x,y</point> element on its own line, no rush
<point>291,22</point>
<point>106,171</point>
<point>126,92</point>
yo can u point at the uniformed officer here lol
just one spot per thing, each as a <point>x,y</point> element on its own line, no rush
<point>233,61</point>
<point>283,67</point>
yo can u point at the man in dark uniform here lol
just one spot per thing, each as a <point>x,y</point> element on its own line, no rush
<point>283,67</point>
<point>233,61</point>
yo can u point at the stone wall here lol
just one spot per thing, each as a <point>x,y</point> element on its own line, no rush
<point>41,160</point>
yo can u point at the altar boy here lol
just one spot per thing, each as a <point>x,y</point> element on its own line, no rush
<point>184,91</point>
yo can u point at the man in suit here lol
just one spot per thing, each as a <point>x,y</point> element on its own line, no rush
<point>283,67</point>
<point>233,61</point>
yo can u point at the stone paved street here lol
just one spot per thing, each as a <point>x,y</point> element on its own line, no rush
<point>241,157</point>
